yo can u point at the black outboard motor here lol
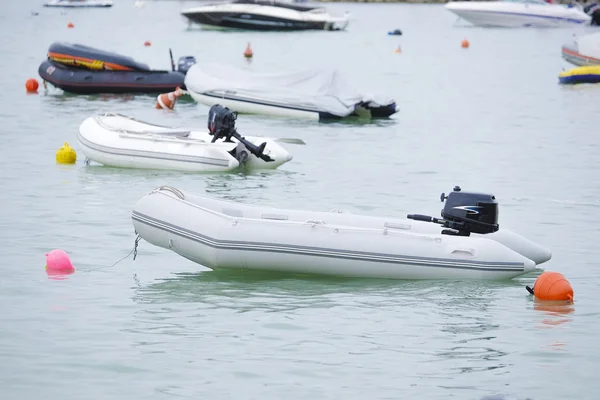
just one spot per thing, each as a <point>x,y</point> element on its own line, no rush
<point>465,212</point>
<point>221,125</point>
<point>185,63</point>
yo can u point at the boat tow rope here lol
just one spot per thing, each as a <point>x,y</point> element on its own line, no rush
<point>134,251</point>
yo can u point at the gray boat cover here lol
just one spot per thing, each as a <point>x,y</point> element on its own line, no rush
<point>321,90</point>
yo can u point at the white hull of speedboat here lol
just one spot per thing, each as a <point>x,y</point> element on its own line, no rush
<point>79,3</point>
<point>265,15</point>
<point>119,141</point>
<point>510,14</point>
<point>227,235</point>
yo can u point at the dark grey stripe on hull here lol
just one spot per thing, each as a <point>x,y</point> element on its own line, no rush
<point>151,154</point>
<point>326,252</point>
<point>253,22</point>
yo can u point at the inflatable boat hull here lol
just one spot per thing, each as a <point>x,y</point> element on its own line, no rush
<point>85,81</point>
<point>120,141</point>
<point>226,235</point>
<point>246,105</point>
<point>584,74</point>
<point>78,55</point>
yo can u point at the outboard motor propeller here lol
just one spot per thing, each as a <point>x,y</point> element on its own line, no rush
<point>465,212</point>
<point>221,125</point>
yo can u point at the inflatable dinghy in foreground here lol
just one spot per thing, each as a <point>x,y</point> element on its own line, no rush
<point>120,141</point>
<point>465,244</point>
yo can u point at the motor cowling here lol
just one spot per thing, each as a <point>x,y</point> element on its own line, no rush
<point>221,122</point>
<point>185,63</point>
<point>470,212</point>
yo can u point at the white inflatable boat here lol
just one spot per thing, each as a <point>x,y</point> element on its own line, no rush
<point>223,234</point>
<point>309,94</point>
<point>120,141</point>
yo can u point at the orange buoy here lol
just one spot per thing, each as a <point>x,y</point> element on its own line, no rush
<point>31,85</point>
<point>552,286</point>
<point>248,52</point>
<point>70,25</point>
<point>398,50</point>
<point>147,43</point>
<point>166,101</point>
<point>465,44</point>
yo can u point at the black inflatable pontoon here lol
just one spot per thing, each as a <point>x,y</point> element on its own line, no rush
<point>84,70</point>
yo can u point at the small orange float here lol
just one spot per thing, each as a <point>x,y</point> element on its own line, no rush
<point>166,101</point>
<point>464,44</point>
<point>147,43</point>
<point>32,85</point>
<point>552,286</point>
<point>70,25</point>
<point>248,53</point>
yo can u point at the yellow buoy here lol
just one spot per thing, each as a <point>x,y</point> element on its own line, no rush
<point>66,154</point>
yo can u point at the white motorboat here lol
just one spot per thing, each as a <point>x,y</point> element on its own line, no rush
<point>222,234</point>
<point>311,94</point>
<point>265,15</point>
<point>121,141</point>
<point>79,3</point>
<point>584,50</point>
<point>519,13</point>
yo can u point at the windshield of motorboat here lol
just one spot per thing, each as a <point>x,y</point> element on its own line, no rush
<point>278,3</point>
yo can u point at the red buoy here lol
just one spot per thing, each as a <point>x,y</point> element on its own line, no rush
<point>32,85</point>
<point>552,286</point>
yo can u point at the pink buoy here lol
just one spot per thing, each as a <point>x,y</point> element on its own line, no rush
<point>58,262</point>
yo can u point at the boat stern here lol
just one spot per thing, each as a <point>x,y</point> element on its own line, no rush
<point>273,150</point>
